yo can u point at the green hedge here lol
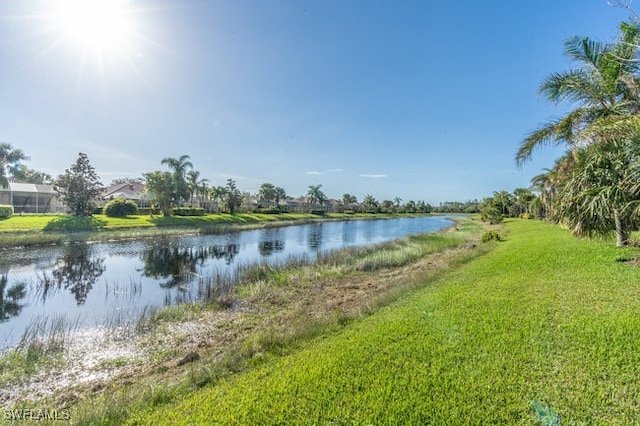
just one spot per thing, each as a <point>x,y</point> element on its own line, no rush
<point>6,211</point>
<point>269,210</point>
<point>188,211</point>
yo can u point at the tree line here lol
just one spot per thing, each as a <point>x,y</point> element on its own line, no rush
<point>80,188</point>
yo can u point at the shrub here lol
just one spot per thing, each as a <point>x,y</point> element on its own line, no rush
<point>490,236</point>
<point>120,207</point>
<point>269,210</point>
<point>318,212</point>
<point>6,211</point>
<point>491,215</point>
<point>526,216</point>
<point>188,211</point>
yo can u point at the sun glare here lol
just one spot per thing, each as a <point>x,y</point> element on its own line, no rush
<point>94,24</point>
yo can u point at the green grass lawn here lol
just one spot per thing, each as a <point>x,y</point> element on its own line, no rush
<point>67,223</point>
<point>545,329</point>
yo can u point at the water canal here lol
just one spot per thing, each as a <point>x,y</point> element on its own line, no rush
<point>94,285</point>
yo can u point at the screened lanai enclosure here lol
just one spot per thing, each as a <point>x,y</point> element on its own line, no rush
<point>31,198</point>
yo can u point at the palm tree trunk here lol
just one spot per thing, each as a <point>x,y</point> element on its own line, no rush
<point>622,229</point>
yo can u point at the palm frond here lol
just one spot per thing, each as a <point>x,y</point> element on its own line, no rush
<point>585,50</point>
<point>575,86</point>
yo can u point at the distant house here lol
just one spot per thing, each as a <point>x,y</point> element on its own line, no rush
<point>133,191</point>
<point>31,198</point>
<point>294,205</point>
<point>333,206</point>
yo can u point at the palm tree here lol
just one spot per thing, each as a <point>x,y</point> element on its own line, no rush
<point>370,204</point>
<point>523,197</point>
<point>179,166</point>
<point>349,199</point>
<point>232,196</point>
<point>548,184</point>
<point>315,195</point>
<point>602,192</point>
<point>503,200</point>
<point>217,194</point>
<point>159,185</point>
<point>279,194</point>
<point>9,156</point>
<point>194,182</point>
<point>267,193</point>
<point>203,191</point>
<point>603,86</point>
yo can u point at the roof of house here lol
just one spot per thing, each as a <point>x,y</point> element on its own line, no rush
<point>28,188</point>
<point>128,190</point>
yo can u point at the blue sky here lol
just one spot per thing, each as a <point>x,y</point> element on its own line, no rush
<point>423,100</point>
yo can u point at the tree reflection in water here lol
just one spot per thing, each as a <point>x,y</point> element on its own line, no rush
<point>9,298</point>
<point>78,270</point>
<point>267,248</point>
<point>314,238</point>
<point>180,264</point>
<point>177,264</point>
<point>227,252</point>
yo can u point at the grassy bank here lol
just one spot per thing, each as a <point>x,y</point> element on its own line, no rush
<point>542,330</point>
<point>29,230</point>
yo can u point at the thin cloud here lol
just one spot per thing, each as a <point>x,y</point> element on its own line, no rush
<point>335,170</point>
<point>312,173</point>
<point>374,176</point>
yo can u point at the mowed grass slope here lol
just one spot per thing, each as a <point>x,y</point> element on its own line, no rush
<point>545,329</point>
<point>71,223</point>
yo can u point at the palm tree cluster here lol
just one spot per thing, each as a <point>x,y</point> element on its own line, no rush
<point>522,202</point>
<point>594,187</point>
<point>184,186</point>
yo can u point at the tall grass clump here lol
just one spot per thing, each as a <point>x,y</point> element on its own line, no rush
<point>218,289</point>
<point>41,345</point>
<point>48,334</point>
<point>16,239</point>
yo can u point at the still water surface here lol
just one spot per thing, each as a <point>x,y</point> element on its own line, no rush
<point>92,284</point>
